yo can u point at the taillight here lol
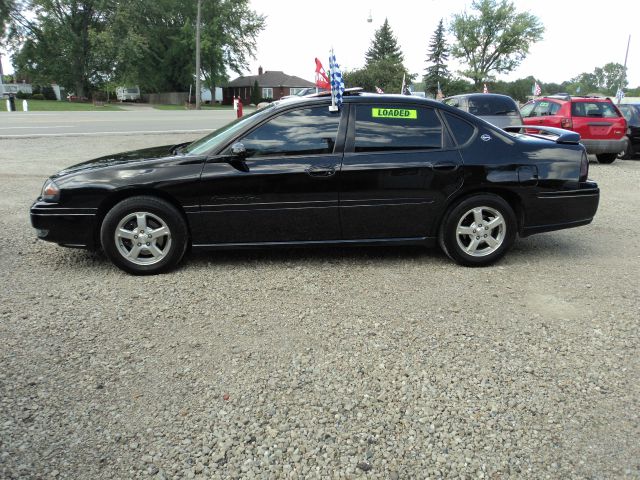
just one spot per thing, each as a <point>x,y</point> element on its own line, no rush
<point>566,123</point>
<point>584,167</point>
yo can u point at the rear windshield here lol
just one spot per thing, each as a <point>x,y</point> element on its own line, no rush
<point>492,106</point>
<point>593,109</point>
<point>630,112</point>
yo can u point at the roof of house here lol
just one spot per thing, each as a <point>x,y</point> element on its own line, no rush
<point>274,78</point>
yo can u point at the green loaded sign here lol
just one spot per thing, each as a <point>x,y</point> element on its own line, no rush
<point>394,113</point>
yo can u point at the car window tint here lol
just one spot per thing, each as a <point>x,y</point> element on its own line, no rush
<point>461,129</point>
<point>396,127</point>
<point>307,131</point>
<point>593,109</point>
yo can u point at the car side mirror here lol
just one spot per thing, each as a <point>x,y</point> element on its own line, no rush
<point>238,150</point>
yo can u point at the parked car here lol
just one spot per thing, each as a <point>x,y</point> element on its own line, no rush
<point>384,169</point>
<point>128,94</point>
<point>631,113</point>
<point>500,110</point>
<point>600,124</point>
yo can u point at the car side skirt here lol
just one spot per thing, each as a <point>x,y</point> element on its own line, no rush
<point>421,241</point>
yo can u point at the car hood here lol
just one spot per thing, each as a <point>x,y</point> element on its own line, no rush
<point>132,156</point>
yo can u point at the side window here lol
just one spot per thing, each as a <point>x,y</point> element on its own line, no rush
<point>527,110</point>
<point>307,131</point>
<point>461,129</point>
<point>396,127</point>
<point>452,102</point>
<point>553,108</point>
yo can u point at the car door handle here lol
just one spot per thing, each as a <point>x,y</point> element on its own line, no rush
<point>444,166</point>
<point>321,171</point>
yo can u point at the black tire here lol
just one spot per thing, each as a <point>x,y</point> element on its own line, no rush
<point>606,157</point>
<point>473,250</point>
<point>138,220</point>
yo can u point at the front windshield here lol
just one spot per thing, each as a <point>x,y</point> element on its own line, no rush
<point>220,136</point>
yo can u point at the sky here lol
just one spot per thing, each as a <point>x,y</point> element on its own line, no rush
<point>579,36</point>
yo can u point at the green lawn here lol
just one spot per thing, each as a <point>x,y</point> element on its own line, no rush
<point>54,106</point>
<point>182,107</point>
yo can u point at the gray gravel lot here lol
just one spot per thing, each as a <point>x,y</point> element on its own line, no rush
<point>326,363</point>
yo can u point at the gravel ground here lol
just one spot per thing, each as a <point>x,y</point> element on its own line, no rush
<point>326,363</point>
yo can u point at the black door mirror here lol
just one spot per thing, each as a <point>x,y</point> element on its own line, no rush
<point>238,150</point>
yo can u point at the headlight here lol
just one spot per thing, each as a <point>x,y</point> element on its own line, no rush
<point>50,191</point>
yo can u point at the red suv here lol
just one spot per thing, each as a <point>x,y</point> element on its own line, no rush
<point>601,126</point>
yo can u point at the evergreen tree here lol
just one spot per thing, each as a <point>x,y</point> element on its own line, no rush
<point>384,46</point>
<point>438,56</point>
<point>255,93</point>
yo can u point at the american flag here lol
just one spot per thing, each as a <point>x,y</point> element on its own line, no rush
<point>536,89</point>
<point>619,95</point>
<point>485,89</point>
<point>379,90</point>
<point>337,84</point>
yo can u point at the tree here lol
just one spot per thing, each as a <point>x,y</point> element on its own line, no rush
<point>385,74</point>
<point>494,39</point>
<point>384,46</point>
<point>255,93</point>
<point>150,43</point>
<point>605,80</point>
<point>437,73</point>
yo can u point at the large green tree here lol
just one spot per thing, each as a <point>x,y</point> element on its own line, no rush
<point>383,64</point>
<point>384,46</point>
<point>150,43</point>
<point>493,38</point>
<point>437,72</point>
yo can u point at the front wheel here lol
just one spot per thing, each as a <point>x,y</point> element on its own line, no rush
<point>606,157</point>
<point>478,231</point>
<point>144,235</point>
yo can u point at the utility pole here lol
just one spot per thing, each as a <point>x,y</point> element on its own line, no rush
<point>198,91</point>
<point>624,71</point>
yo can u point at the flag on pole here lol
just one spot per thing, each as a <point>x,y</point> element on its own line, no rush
<point>337,84</point>
<point>536,89</point>
<point>322,81</point>
<point>619,95</point>
<point>379,90</point>
<point>439,94</point>
<point>485,89</point>
<point>403,86</point>
<point>578,89</point>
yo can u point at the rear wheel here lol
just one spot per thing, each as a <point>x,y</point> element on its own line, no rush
<point>606,157</point>
<point>144,235</point>
<point>478,231</point>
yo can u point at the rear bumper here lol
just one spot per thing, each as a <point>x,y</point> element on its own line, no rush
<point>551,211</point>
<point>604,146</point>
<point>70,227</point>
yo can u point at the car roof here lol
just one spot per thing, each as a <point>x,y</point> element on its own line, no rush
<point>481,95</point>
<point>574,98</point>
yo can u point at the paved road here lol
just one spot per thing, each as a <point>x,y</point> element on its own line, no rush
<point>42,124</point>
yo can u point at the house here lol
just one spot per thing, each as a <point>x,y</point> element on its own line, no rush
<point>273,84</point>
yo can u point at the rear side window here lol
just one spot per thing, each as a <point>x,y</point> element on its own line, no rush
<point>461,129</point>
<point>593,109</point>
<point>396,127</point>
<point>630,113</point>
<point>540,109</point>
<point>492,106</point>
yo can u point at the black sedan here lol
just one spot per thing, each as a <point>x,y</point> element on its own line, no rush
<point>384,169</point>
<point>631,113</point>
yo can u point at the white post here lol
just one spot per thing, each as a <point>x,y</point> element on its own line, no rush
<point>8,106</point>
<point>25,106</point>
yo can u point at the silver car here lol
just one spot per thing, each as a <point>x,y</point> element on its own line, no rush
<point>499,110</point>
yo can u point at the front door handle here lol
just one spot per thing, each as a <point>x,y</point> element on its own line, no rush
<point>323,171</point>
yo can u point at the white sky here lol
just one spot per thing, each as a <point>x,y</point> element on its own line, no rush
<point>580,35</point>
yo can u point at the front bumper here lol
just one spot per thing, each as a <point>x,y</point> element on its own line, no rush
<point>596,147</point>
<point>69,227</point>
<point>558,210</point>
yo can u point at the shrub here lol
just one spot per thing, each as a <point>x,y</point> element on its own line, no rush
<point>23,95</point>
<point>37,96</point>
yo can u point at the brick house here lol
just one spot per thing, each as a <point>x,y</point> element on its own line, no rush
<point>273,84</point>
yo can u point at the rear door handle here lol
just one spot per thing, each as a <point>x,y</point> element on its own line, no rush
<point>445,166</point>
<point>321,171</point>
